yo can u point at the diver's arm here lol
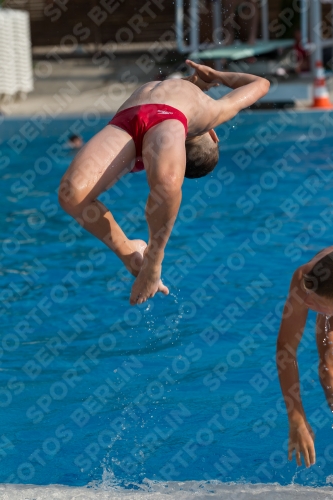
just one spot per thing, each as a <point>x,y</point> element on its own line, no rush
<point>248,89</point>
<point>229,79</point>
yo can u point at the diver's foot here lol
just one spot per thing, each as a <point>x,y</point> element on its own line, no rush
<point>147,284</point>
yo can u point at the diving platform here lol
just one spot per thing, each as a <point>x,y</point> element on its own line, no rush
<point>295,91</point>
<point>242,51</point>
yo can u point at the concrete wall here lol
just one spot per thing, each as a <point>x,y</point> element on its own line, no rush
<point>72,22</point>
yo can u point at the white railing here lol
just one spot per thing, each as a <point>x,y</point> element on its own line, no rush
<point>194,25</point>
<point>16,74</point>
<point>315,22</point>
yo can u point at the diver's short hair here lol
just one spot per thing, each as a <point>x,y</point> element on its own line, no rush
<point>320,278</point>
<point>202,156</point>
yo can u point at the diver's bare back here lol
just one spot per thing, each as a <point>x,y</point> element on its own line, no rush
<point>180,94</point>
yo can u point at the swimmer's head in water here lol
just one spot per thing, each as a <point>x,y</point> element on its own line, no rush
<point>75,141</point>
<point>202,154</point>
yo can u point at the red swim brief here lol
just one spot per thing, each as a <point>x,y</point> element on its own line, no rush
<point>137,120</point>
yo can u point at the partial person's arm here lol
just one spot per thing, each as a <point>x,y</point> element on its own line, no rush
<point>248,89</point>
<point>301,437</point>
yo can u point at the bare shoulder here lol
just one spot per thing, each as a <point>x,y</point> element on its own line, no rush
<point>319,256</point>
<point>184,91</point>
<point>170,87</point>
<point>298,274</point>
<point>306,268</point>
<point>200,109</point>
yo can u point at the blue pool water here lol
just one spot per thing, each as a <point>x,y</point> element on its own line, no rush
<point>182,388</point>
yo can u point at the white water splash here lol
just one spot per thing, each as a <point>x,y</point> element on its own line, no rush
<point>150,490</point>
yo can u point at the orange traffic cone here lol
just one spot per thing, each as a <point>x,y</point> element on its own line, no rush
<point>321,97</point>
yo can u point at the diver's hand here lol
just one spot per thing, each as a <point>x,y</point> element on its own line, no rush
<point>301,440</point>
<point>205,73</point>
<point>198,82</point>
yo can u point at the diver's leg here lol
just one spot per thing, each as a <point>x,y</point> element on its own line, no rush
<point>97,166</point>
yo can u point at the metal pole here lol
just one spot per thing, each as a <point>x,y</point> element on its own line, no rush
<point>311,38</point>
<point>332,15</point>
<point>217,21</point>
<point>194,28</point>
<point>264,20</point>
<point>180,26</point>
<point>316,30</point>
<point>217,29</point>
<point>304,22</point>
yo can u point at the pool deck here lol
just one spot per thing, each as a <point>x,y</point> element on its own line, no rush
<point>73,86</point>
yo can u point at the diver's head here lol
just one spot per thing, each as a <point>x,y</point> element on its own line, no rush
<point>318,284</point>
<point>202,154</point>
